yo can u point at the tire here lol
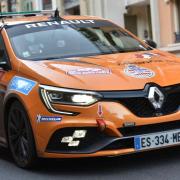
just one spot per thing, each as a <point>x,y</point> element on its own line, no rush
<point>20,136</point>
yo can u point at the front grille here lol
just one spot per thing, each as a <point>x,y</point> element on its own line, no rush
<point>120,144</point>
<point>143,108</point>
<point>130,132</point>
<point>139,106</point>
<point>138,103</point>
<point>96,140</point>
<point>151,128</point>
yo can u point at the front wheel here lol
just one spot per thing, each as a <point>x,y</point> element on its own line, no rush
<point>20,136</point>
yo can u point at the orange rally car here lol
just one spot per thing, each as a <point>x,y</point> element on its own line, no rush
<point>76,87</point>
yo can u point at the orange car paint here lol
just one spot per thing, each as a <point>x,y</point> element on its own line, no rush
<point>164,65</point>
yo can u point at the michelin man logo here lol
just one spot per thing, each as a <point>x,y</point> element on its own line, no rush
<point>21,85</point>
<point>48,118</point>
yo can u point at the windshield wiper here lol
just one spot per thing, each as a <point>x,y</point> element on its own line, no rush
<point>76,55</point>
<point>45,58</point>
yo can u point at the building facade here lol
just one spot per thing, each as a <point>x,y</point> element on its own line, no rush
<point>158,20</point>
<point>3,6</point>
<point>30,5</point>
<point>134,15</point>
<point>71,7</point>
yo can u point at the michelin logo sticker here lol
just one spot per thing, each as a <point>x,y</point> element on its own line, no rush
<point>138,72</point>
<point>21,85</point>
<point>48,118</point>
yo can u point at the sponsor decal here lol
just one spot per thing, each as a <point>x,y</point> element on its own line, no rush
<point>78,70</point>
<point>87,71</point>
<point>57,23</point>
<point>146,55</point>
<point>138,72</point>
<point>26,54</point>
<point>141,62</point>
<point>75,139</point>
<point>21,85</point>
<point>48,118</point>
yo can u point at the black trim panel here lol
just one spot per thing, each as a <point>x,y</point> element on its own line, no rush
<point>138,103</point>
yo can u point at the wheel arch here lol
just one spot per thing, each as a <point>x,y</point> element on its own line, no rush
<point>10,99</point>
<point>31,156</point>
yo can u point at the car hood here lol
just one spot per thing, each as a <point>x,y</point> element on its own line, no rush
<point>123,71</point>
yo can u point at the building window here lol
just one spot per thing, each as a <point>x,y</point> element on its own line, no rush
<point>27,7</point>
<point>177,20</point>
<point>31,5</point>
<point>138,20</point>
<point>47,4</point>
<point>72,7</point>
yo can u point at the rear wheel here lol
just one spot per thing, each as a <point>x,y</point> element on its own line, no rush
<point>20,136</point>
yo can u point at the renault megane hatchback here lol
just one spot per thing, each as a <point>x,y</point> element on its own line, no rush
<point>78,86</point>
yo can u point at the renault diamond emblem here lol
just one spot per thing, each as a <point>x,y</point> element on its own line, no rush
<point>156,97</point>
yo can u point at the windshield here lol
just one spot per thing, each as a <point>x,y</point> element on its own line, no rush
<point>52,40</point>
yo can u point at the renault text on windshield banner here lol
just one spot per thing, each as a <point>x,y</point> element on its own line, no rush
<point>16,30</point>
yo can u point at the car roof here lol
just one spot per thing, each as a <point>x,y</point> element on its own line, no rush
<point>30,19</point>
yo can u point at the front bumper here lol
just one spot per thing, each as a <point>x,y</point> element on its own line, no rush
<point>98,143</point>
<point>116,139</point>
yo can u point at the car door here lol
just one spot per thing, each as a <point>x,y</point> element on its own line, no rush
<point>4,68</point>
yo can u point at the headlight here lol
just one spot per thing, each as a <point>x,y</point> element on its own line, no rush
<point>54,95</point>
<point>83,99</point>
<point>71,97</point>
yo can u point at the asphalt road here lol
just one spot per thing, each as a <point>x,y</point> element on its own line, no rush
<point>155,165</point>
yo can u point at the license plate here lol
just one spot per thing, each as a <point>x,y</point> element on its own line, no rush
<point>157,140</point>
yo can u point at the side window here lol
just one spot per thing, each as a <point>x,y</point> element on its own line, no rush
<point>3,53</point>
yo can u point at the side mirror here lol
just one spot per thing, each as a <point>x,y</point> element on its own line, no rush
<point>151,43</point>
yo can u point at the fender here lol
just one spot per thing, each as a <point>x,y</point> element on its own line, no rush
<point>6,105</point>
